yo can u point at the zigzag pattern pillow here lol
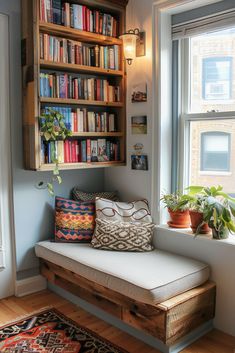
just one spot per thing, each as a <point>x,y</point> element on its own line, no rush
<point>74,220</point>
<point>123,236</point>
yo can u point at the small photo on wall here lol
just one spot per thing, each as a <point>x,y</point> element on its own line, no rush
<point>139,162</point>
<point>139,93</point>
<point>139,124</point>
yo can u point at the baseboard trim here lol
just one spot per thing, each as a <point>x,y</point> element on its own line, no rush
<point>30,285</point>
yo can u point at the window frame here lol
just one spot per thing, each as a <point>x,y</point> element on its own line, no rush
<point>185,117</point>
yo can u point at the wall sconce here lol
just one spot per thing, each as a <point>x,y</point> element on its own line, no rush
<point>130,41</point>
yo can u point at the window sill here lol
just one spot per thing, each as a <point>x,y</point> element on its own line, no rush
<point>187,233</point>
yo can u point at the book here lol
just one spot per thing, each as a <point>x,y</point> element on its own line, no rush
<point>88,150</point>
<point>94,151</point>
<point>56,12</point>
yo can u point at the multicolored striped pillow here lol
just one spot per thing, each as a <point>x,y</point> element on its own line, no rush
<point>74,220</point>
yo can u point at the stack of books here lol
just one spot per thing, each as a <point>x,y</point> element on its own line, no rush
<point>74,151</point>
<point>82,120</point>
<point>76,87</point>
<point>61,50</point>
<point>78,16</point>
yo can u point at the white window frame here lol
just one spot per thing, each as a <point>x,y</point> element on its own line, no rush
<point>161,91</point>
<point>185,117</point>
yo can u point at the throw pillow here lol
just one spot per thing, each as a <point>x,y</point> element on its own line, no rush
<point>136,211</point>
<point>74,220</point>
<point>123,236</point>
<point>91,196</point>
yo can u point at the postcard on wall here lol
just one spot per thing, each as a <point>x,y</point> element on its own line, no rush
<point>139,124</point>
<point>139,162</point>
<point>139,93</point>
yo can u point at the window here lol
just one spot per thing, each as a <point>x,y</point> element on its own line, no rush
<point>211,72</point>
<point>215,151</point>
<point>217,78</point>
<point>207,136</point>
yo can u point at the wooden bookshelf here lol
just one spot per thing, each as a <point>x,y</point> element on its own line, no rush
<point>32,65</point>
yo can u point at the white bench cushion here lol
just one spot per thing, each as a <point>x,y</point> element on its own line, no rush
<point>149,277</point>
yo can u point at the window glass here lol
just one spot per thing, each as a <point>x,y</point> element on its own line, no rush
<point>211,146</point>
<point>212,71</point>
<point>215,151</point>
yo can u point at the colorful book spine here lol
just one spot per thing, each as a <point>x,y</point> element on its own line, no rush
<point>78,16</point>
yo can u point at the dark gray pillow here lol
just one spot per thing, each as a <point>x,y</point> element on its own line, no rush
<point>79,195</point>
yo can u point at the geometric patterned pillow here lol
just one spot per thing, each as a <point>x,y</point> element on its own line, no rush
<point>124,236</point>
<point>74,220</point>
<point>136,211</point>
<point>79,195</point>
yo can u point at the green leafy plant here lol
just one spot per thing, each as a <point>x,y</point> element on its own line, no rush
<point>218,209</point>
<point>52,127</point>
<point>176,201</point>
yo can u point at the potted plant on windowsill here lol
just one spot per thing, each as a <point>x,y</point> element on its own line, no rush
<point>197,206</point>
<point>218,209</point>
<point>178,208</point>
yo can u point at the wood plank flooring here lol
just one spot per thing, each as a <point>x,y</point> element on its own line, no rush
<point>12,308</point>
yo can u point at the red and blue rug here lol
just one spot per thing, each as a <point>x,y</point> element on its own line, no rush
<point>51,332</point>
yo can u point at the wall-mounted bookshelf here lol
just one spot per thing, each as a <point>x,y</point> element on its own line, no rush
<point>74,71</point>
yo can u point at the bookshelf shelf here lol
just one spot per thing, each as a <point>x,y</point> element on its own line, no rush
<point>68,166</point>
<point>83,36</point>
<point>79,68</point>
<point>80,102</point>
<point>41,76</point>
<point>97,134</point>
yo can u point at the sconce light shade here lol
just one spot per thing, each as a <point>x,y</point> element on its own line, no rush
<point>129,44</point>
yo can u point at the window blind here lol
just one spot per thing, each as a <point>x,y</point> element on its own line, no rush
<point>204,24</point>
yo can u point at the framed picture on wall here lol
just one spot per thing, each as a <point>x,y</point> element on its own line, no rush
<point>139,93</point>
<point>139,124</point>
<point>139,162</point>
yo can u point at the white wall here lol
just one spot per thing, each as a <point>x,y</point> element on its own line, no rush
<point>136,184</point>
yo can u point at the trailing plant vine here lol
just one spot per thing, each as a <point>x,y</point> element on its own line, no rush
<point>52,127</point>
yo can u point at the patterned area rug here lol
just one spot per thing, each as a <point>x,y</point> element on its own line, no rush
<point>51,332</point>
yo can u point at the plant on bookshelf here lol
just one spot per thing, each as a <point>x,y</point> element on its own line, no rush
<point>52,127</point>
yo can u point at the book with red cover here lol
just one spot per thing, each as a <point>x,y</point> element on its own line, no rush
<point>70,151</point>
<point>88,20</point>
<point>75,122</point>
<point>73,152</point>
<point>98,85</point>
<point>66,151</point>
<point>84,20</point>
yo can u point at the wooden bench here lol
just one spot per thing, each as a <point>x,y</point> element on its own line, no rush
<point>168,321</point>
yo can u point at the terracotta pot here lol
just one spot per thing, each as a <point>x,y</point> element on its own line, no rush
<point>222,234</point>
<point>196,219</point>
<point>179,219</point>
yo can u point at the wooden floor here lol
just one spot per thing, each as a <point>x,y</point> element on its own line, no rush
<point>12,308</point>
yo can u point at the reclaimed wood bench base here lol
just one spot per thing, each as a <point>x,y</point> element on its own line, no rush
<point>168,321</point>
